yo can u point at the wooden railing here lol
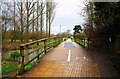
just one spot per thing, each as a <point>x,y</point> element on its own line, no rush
<point>85,42</point>
<point>37,47</point>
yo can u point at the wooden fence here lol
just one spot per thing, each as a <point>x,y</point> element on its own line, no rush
<point>37,47</point>
<point>93,43</point>
<point>83,42</point>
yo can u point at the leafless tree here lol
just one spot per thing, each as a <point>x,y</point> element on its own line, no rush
<point>50,14</point>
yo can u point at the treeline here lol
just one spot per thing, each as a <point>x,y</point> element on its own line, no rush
<point>103,24</point>
<point>27,19</point>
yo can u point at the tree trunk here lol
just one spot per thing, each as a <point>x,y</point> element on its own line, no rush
<point>47,19</point>
<point>37,19</point>
<point>13,35</point>
<point>21,21</point>
<point>27,25</point>
<point>41,19</point>
<point>33,25</point>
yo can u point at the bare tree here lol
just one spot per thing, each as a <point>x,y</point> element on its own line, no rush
<point>37,17</point>
<point>41,17</point>
<point>33,23</point>
<point>6,18</point>
<point>50,14</point>
<point>51,11</point>
<point>29,6</point>
<point>14,25</point>
<point>4,26</point>
<point>21,19</point>
<point>47,5</point>
<point>27,19</point>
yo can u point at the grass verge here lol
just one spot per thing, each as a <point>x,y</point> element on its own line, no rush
<point>8,67</point>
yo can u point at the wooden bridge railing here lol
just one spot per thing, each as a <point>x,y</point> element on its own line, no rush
<point>37,47</point>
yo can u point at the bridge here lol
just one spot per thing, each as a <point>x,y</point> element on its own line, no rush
<point>65,59</point>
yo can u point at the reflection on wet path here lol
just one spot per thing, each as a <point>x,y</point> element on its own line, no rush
<point>53,68</point>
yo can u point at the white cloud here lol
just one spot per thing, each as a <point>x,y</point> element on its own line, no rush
<point>66,15</point>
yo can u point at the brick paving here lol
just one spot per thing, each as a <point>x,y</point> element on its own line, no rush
<point>55,63</point>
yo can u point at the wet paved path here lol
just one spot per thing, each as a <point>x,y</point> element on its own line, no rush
<point>66,60</point>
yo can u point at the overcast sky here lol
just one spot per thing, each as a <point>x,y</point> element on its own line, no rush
<point>67,15</point>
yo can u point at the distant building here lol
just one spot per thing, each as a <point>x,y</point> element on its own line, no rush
<point>68,31</point>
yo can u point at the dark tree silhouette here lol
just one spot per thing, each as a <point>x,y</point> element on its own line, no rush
<point>77,29</point>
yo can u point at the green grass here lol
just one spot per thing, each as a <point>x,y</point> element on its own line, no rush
<point>9,67</point>
<point>64,39</point>
<point>50,43</point>
<point>6,40</point>
<point>30,40</point>
<point>73,40</point>
<point>31,65</point>
<point>40,44</point>
<point>28,67</point>
<point>84,44</point>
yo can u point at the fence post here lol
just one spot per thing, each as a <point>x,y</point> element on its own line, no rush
<point>75,38</point>
<point>60,39</point>
<point>88,44</point>
<point>79,41</point>
<point>37,50</point>
<point>21,69</point>
<point>45,46</point>
<point>54,42</point>
<point>84,42</point>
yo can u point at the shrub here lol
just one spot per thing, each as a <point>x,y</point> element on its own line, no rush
<point>64,39</point>
<point>14,55</point>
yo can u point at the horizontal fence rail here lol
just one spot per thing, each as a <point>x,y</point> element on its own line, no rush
<point>32,51</point>
<point>92,43</point>
<point>85,42</point>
